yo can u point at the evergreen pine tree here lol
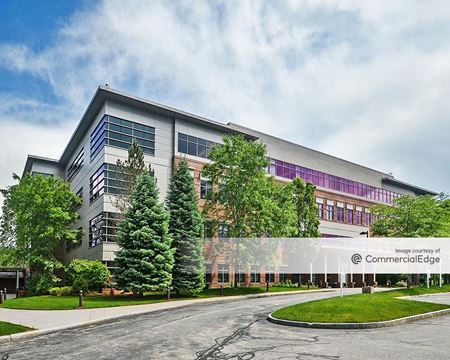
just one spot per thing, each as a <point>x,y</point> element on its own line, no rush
<point>145,258</point>
<point>186,228</point>
<point>127,172</point>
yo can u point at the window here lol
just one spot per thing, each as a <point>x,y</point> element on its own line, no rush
<point>106,181</point>
<point>318,178</point>
<point>209,229</point>
<point>223,231</point>
<point>368,219</point>
<point>103,228</point>
<point>359,217</point>
<point>111,265</point>
<point>340,214</point>
<point>37,173</point>
<point>208,273</point>
<point>80,195</point>
<point>205,188</point>
<point>96,231</point>
<point>97,184</point>
<point>98,138</point>
<point>73,245</point>
<point>255,276</point>
<point>330,212</point>
<point>115,181</point>
<point>112,221</point>
<point>239,276</point>
<point>120,133</point>
<point>320,207</point>
<point>270,274</point>
<point>76,165</point>
<point>192,145</point>
<point>349,218</point>
<point>223,273</point>
<point>283,273</point>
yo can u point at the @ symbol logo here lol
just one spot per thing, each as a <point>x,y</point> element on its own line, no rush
<point>356,259</point>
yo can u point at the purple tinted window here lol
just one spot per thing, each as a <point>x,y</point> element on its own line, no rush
<point>279,170</point>
<point>367,219</point>
<point>340,214</point>
<point>359,217</point>
<point>291,171</point>
<point>349,219</point>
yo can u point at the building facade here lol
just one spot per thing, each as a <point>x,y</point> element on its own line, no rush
<point>345,191</point>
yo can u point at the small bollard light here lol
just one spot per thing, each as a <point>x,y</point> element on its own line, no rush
<point>168,293</point>
<point>267,286</point>
<point>221,290</point>
<point>1,297</point>
<point>80,299</point>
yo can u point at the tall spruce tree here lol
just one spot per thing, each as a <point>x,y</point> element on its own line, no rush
<point>145,258</point>
<point>186,228</point>
<point>127,172</point>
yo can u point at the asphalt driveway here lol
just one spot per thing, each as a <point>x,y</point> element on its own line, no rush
<point>233,330</point>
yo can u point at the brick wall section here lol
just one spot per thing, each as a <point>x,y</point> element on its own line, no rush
<point>197,165</point>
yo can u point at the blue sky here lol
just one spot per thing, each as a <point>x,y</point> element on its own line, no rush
<point>366,81</point>
<point>32,24</point>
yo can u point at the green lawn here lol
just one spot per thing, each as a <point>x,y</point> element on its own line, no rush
<point>362,307</point>
<point>98,301</point>
<point>7,328</point>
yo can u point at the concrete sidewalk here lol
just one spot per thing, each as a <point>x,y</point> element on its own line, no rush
<point>61,319</point>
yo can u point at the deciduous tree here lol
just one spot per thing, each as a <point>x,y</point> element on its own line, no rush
<point>248,200</point>
<point>37,214</point>
<point>307,222</point>
<point>243,195</point>
<point>413,216</point>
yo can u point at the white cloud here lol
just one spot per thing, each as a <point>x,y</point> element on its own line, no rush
<point>20,139</point>
<point>364,80</point>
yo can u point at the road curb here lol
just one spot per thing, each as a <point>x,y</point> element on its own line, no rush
<point>199,302</point>
<point>356,326</point>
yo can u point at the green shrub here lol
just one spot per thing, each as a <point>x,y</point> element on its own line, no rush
<point>87,275</point>
<point>288,283</point>
<point>41,283</point>
<point>80,283</point>
<point>383,279</point>
<point>61,291</point>
<point>54,291</point>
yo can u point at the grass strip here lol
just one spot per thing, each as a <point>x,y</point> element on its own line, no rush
<point>7,328</point>
<point>360,308</point>
<point>48,302</point>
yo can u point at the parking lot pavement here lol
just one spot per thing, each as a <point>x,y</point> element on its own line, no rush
<point>443,298</point>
